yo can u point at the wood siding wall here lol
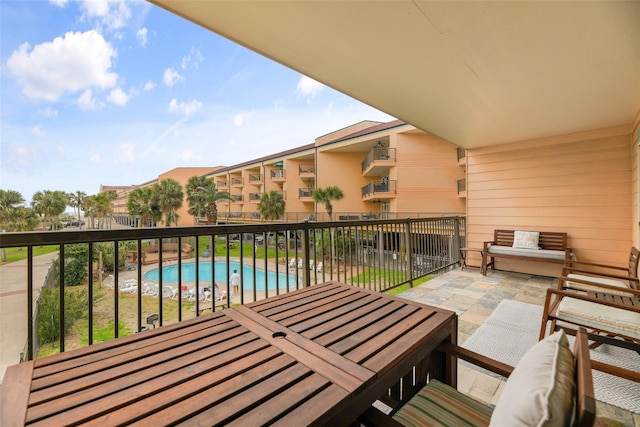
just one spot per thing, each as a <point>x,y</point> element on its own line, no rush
<point>581,185</point>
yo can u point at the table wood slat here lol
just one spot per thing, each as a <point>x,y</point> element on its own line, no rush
<point>102,372</point>
<point>345,374</point>
<point>14,402</point>
<point>212,390</point>
<point>123,352</point>
<point>109,348</point>
<point>249,398</point>
<point>106,396</point>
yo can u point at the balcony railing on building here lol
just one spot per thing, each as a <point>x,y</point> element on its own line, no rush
<point>462,186</point>
<point>255,197</point>
<point>130,292</point>
<point>305,194</point>
<point>237,198</point>
<point>379,189</point>
<point>378,160</point>
<point>462,155</point>
<point>255,178</point>
<point>278,175</point>
<point>307,171</point>
<point>222,184</point>
<point>237,182</point>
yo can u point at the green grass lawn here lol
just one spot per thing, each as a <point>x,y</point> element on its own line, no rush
<point>18,254</point>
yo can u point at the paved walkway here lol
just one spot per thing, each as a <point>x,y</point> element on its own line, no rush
<point>13,306</point>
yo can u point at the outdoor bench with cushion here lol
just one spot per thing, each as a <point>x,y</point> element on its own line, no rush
<point>539,246</point>
<point>550,386</point>
<point>151,255</point>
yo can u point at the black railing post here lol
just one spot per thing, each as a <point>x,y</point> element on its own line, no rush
<point>30,319</point>
<point>61,289</point>
<point>409,252</point>
<point>306,255</point>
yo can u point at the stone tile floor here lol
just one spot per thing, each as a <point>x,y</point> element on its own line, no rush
<point>474,297</point>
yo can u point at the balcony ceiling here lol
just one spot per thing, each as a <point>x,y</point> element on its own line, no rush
<point>475,72</point>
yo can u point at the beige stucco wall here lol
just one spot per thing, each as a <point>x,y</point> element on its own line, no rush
<point>580,184</point>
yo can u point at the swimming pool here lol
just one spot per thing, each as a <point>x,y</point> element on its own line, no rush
<point>170,274</point>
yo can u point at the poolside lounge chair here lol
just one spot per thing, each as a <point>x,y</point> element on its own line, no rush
<point>319,267</point>
<point>292,263</point>
<point>549,384</point>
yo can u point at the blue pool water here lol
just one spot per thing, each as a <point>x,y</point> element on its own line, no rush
<point>170,275</point>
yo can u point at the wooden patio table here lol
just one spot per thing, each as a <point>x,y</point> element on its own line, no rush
<point>317,356</point>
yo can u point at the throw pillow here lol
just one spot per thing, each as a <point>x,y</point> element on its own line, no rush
<point>539,391</point>
<point>526,239</point>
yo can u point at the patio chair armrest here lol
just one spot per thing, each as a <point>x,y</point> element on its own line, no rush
<point>616,370</point>
<point>569,263</point>
<point>477,359</point>
<point>570,294</point>
<point>569,270</point>
<point>562,280</point>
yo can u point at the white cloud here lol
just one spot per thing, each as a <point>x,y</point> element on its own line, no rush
<point>193,59</point>
<point>59,3</point>
<point>49,113</point>
<point>86,101</point>
<point>96,158</point>
<point>71,64</point>
<point>60,149</point>
<point>112,14</point>
<point>186,109</point>
<point>241,119</point>
<point>118,97</point>
<point>36,131</point>
<point>142,36</point>
<point>126,153</point>
<point>149,85</point>
<point>171,77</point>
<point>309,88</point>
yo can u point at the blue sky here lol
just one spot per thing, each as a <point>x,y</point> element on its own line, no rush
<point>116,92</point>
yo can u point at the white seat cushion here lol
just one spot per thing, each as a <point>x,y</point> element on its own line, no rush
<point>598,280</point>
<point>539,391</point>
<point>600,316</point>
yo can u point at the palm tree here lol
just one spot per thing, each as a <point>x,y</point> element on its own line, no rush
<point>170,197</point>
<point>50,204</point>
<point>10,200</point>
<point>211,196</point>
<point>76,201</point>
<point>272,205</point>
<point>197,204</point>
<point>142,203</point>
<point>326,195</point>
<point>99,206</point>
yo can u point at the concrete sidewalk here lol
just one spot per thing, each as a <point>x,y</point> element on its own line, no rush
<point>13,306</point>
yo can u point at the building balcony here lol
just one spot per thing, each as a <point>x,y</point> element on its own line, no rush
<point>222,185</point>
<point>305,195</point>
<point>462,188</point>
<point>278,176</point>
<point>237,198</point>
<point>378,161</point>
<point>255,197</point>
<point>307,172</point>
<point>255,179</point>
<point>379,190</point>
<point>237,182</point>
<point>462,156</point>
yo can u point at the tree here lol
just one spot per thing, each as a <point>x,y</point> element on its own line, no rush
<point>50,204</point>
<point>10,201</point>
<point>170,197</point>
<point>197,204</point>
<point>272,205</point>
<point>326,195</point>
<point>99,206</point>
<point>209,195</point>
<point>76,201</point>
<point>143,204</point>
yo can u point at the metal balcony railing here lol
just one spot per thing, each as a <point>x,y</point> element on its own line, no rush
<point>255,178</point>
<point>377,187</point>
<point>255,197</point>
<point>222,184</point>
<point>462,153</point>
<point>237,181</point>
<point>305,193</point>
<point>278,174</point>
<point>238,198</point>
<point>378,153</point>
<point>306,170</point>
<point>462,185</point>
<point>160,276</point>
